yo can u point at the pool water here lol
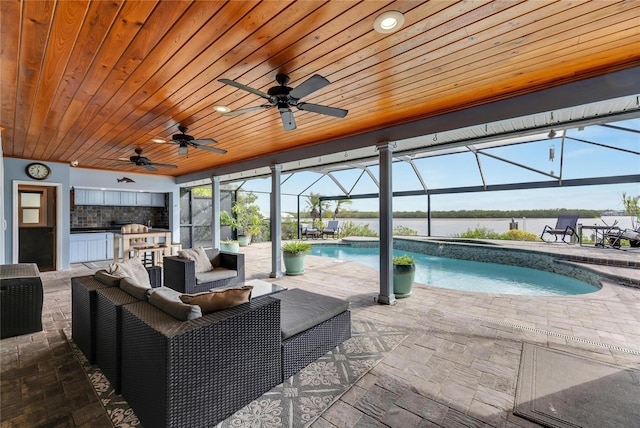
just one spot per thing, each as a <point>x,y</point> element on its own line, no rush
<point>467,275</point>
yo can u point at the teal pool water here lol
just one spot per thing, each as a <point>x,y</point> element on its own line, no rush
<point>467,275</point>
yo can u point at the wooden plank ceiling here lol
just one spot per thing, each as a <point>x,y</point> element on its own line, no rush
<point>93,80</point>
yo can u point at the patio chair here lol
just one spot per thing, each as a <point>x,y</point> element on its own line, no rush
<point>332,229</point>
<point>631,235</point>
<point>565,226</point>
<point>308,231</point>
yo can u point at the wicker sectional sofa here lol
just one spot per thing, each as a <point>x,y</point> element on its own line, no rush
<point>200,371</point>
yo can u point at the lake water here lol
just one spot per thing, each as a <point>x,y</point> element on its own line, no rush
<point>452,226</point>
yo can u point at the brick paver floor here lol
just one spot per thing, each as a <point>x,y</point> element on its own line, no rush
<point>458,367</point>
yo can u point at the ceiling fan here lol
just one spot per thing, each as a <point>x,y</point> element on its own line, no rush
<point>140,160</point>
<point>184,141</point>
<point>284,97</point>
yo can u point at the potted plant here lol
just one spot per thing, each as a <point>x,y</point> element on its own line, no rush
<point>248,219</point>
<point>404,273</point>
<point>230,246</point>
<point>293,254</point>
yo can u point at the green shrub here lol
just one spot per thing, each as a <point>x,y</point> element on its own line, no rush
<point>404,231</point>
<point>511,235</point>
<point>348,228</point>
<point>478,233</point>
<point>519,235</point>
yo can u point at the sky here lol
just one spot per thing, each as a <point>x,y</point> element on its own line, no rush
<point>580,160</point>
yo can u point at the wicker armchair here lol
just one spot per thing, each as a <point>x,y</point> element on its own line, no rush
<point>83,309</point>
<point>20,299</point>
<point>197,373</point>
<point>180,274</point>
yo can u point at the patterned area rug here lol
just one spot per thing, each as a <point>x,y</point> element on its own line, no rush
<point>295,403</point>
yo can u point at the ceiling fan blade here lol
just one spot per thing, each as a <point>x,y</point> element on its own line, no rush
<point>247,110</point>
<point>317,108</point>
<point>164,165</point>
<point>204,141</point>
<point>149,167</point>
<point>244,88</point>
<point>287,119</point>
<point>310,85</point>
<point>212,149</point>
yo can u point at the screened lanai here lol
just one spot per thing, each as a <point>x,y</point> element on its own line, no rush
<point>585,153</point>
<point>588,158</point>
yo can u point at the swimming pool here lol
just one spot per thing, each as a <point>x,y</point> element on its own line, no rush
<point>467,275</point>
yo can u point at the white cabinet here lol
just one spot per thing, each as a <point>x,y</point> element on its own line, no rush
<point>128,199</point>
<point>157,199</point>
<point>143,199</point>
<point>116,198</point>
<point>88,247</point>
<point>112,197</point>
<point>88,197</point>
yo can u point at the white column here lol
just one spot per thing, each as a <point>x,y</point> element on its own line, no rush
<point>215,212</point>
<point>276,227</point>
<point>386,296</point>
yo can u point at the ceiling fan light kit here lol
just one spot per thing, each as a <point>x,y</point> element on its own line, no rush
<point>284,97</point>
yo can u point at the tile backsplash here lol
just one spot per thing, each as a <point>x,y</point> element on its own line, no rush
<point>104,216</point>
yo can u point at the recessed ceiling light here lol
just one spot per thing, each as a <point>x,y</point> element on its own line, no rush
<point>158,140</point>
<point>222,109</point>
<point>388,22</point>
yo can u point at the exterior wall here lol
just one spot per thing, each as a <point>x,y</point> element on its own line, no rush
<point>66,177</point>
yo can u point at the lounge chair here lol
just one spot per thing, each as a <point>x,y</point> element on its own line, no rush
<point>307,231</point>
<point>332,229</point>
<point>565,226</point>
<point>631,235</point>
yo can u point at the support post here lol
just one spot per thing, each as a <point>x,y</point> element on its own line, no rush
<point>428,214</point>
<point>386,296</point>
<point>215,212</point>
<point>276,226</point>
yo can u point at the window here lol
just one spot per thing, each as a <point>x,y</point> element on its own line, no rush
<point>32,208</point>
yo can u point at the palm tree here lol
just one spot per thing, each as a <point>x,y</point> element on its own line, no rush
<point>339,203</point>
<point>315,205</point>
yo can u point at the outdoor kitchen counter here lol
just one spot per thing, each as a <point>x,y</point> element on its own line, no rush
<point>117,229</point>
<point>153,235</point>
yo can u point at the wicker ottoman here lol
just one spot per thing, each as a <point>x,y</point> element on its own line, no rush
<point>312,325</point>
<point>20,299</point>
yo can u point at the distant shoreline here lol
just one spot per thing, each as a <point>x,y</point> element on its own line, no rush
<point>473,214</point>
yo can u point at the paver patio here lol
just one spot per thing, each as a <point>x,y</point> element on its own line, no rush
<point>458,366</point>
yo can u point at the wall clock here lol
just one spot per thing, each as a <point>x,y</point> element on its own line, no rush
<point>38,171</point>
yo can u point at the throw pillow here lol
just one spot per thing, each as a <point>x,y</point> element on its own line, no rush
<point>106,278</point>
<point>199,257</point>
<point>167,301</point>
<point>132,268</point>
<point>219,299</point>
<point>140,292</point>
